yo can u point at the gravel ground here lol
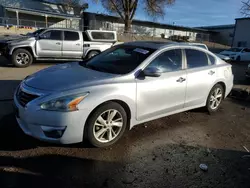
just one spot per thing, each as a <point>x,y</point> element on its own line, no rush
<point>161,153</point>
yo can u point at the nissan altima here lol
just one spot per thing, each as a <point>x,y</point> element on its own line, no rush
<point>128,84</point>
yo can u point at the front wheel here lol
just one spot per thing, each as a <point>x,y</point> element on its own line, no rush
<point>106,125</point>
<point>215,98</point>
<point>22,58</point>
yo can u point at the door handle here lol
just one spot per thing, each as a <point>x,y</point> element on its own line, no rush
<point>211,72</point>
<point>181,80</point>
<point>58,43</point>
<point>77,44</point>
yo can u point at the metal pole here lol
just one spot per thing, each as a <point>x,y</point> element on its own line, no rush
<point>46,21</point>
<point>17,19</point>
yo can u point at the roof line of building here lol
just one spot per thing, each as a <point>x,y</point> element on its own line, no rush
<point>245,18</point>
<point>43,12</point>
<point>152,23</point>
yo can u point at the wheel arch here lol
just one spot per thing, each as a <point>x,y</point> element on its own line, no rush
<point>120,102</point>
<point>28,48</point>
<point>224,87</point>
<point>92,50</point>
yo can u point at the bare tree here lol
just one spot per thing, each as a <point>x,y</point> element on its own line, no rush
<point>126,9</point>
<point>78,4</point>
<point>245,9</point>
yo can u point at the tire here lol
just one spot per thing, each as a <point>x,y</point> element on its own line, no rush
<point>24,56</point>
<point>92,54</point>
<point>212,104</point>
<point>97,135</point>
<point>238,58</point>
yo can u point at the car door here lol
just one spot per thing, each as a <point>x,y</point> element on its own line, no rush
<point>157,96</point>
<point>49,44</point>
<point>72,45</point>
<point>245,54</point>
<point>201,75</point>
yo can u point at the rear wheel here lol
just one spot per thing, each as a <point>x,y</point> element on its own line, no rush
<point>106,125</point>
<point>92,54</point>
<point>215,98</point>
<point>22,58</point>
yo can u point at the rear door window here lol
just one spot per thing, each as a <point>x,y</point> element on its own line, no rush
<point>196,58</point>
<point>71,36</point>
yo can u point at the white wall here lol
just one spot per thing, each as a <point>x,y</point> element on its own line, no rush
<point>242,32</point>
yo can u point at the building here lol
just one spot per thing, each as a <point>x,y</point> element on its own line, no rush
<point>147,28</point>
<point>38,13</point>
<point>222,34</point>
<point>242,33</point>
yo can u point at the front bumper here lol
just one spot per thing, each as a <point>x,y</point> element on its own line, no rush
<point>4,50</point>
<point>32,122</point>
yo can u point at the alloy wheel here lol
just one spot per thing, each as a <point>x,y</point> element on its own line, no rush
<point>22,58</point>
<point>216,98</point>
<point>108,126</point>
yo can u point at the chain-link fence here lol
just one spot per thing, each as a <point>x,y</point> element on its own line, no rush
<point>13,23</point>
<point>137,32</point>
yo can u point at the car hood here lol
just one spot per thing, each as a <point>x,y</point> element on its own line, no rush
<point>14,38</point>
<point>67,76</point>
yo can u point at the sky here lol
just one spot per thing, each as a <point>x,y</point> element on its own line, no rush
<point>191,13</point>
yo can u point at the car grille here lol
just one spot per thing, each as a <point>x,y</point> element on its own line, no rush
<point>24,97</point>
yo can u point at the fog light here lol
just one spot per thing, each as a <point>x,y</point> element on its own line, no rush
<point>53,132</point>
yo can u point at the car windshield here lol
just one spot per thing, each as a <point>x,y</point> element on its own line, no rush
<point>120,59</point>
<point>235,49</point>
<point>37,32</point>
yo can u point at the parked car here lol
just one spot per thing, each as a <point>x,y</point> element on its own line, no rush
<point>204,46</point>
<point>248,72</point>
<point>126,85</point>
<point>57,45</point>
<point>237,54</point>
<point>223,57</point>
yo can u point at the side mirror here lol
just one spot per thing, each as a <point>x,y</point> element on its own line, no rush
<point>41,37</point>
<point>152,72</point>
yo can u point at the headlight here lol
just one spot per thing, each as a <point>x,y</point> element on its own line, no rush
<point>65,104</point>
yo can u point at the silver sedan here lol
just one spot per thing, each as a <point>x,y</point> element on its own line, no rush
<point>124,86</point>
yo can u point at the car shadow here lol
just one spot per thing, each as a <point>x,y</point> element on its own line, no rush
<point>169,165</point>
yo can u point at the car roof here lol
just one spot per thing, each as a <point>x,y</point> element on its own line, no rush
<point>61,29</point>
<point>161,44</point>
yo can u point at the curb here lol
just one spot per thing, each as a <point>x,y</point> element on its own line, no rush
<point>240,94</point>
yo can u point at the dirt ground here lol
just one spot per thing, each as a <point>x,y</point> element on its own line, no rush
<point>161,153</point>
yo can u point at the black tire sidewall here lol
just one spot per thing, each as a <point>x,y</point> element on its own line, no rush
<point>88,133</point>
<point>21,51</point>
<point>210,110</point>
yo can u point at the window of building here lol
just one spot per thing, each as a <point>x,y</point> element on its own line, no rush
<point>71,36</point>
<point>196,58</point>
<point>52,35</point>
<point>168,61</point>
